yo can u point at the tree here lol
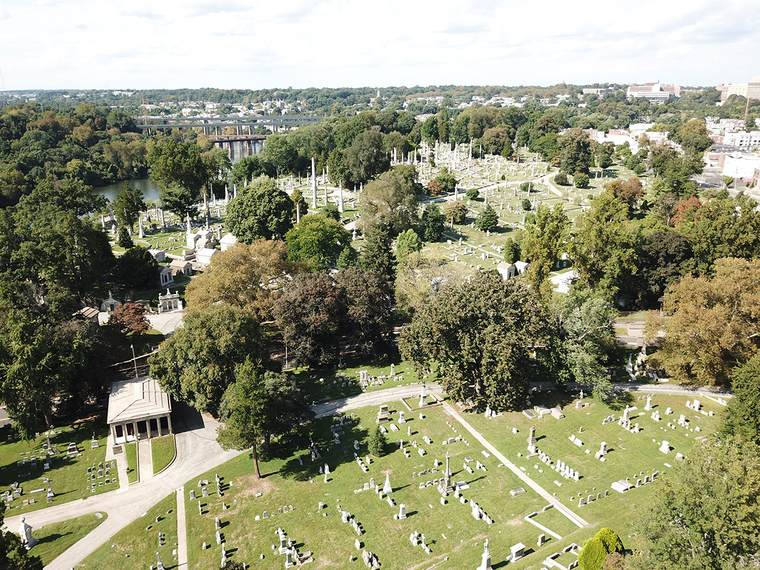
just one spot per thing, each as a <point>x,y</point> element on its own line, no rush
<point>596,549</point>
<point>369,309</point>
<point>197,363</point>
<point>455,212</point>
<point>129,318</point>
<point>542,244</point>
<point>407,242</point>
<point>260,211</point>
<point>300,207</point>
<point>129,204</point>
<point>250,167</point>
<point>124,240</point>
<point>434,188</point>
<point>742,418</point>
<point>376,253</point>
<point>479,336</point>
<point>348,257</point>
<point>389,200</point>
<point>244,277</point>
<point>280,154</point>
<point>136,268</point>
<point>317,241</point>
<point>377,443</point>
<point>704,513</point>
<point>584,325</point>
<point>627,191</point>
<point>580,180</point>
<point>178,170</point>
<point>365,158</point>
<point>446,179</point>
<point>712,324</point>
<point>472,193</point>
<point>496,141</point>
<point>561,179</point>
<point>603,250</point>
<point>575,150</point>
<point>664,256</point>
<point>431,223</point>
<point>526,205</point>
<point>258,405</point>
<point>488,220</point>
<point>310,314</point>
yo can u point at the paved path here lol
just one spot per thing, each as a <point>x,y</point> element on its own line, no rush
<point>574,518</point>
<point>197,452</point>
<point>144,461</point>
<point>375,398</point>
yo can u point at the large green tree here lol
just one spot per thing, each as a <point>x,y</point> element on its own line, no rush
<point>129,203</point>
<point>365,157</point>
<point>575,150</point>
<point>542,244</point>
<point>137,268</point>
<point>310,313</point>
<point>198,362</point>
<point>742,418</point>
<point>369,309</point>
<point>259,405</point>
<point>260,211</point>
<point>317,241</point>
<point>180,173</point>
<point>389,200</point>
<point>479,336</point>
<point>704,513</point>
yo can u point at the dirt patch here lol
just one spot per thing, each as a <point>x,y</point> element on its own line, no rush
<point>514,522</point>
<point>443,555</point>
<point>250,485</point>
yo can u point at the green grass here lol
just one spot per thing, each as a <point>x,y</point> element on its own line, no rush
<point>59,537</point>
<point>450,529</point>
<point>68,475</point>
<point>162,451</point>
<point>136,545</point>
<point>130,450</point>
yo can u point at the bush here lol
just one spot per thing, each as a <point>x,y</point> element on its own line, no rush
<point>434,188</point>
<point>125,240</point>
<point>580,179</point>
<point>596,549</point>
<point>488,220</point>
<point>526,205</point>
<point>377,442</point>
<point>526,187</point>
<point>561,179</point>
<point>472,193</point>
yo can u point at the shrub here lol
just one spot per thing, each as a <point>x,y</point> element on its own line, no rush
<point>377,442</point>
<point>596,549</point>
<point>561,179</point>
<point>472,193</point>
<point>125,240</point>
<point>580,179</point>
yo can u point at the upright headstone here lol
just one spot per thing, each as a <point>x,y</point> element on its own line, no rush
<point>313,185</point>
<point>485,563</point>
<point>423,396</point>
<point>387,489</point>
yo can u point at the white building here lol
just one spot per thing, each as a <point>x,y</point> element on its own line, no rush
<point>138,409</point>
<point>741,165</point>
<point>654,92</point>
<point>743,140</point>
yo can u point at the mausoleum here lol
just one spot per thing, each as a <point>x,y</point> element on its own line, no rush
<point>138,407</point>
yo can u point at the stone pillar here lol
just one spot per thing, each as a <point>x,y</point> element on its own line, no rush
<point>313,185</point>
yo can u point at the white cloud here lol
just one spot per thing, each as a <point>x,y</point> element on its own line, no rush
<point>255,44</point>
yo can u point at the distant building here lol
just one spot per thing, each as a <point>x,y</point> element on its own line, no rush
<point>743,140</point>
<point>656,93</point>
<point>600,91</point>
<point>741,165</point>
<point>750,89</point>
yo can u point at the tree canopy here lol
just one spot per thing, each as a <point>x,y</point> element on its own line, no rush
<point>260,211</point>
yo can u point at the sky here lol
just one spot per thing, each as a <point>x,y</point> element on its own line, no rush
<point>168,44</point>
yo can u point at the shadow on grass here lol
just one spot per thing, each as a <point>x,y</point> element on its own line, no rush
<point>618,399</point>
<point>52,538</point>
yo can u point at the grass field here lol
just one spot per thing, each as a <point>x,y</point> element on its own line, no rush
<point>20,461</point>
<point>130,450</point>
<point>56,538</point>
<point>136,545</point>
<point>162,451</point>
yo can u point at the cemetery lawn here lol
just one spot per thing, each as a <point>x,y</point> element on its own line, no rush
<point>136,545</point>
<point>59,537</point>
<point>120,343</point>
<point>450,529</point>
<point>130,450</point>
<point>162,452</point>
<point>68,474</point>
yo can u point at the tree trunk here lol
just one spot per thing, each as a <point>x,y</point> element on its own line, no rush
<point>256,462</point>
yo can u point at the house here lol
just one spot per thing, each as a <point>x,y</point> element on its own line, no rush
<point>138,409</point>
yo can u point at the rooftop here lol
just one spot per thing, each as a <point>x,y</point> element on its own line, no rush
<point>137,399</point>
